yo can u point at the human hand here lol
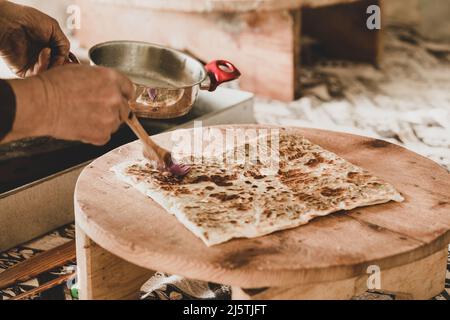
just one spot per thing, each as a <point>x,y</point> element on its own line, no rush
<point>30,41</point>
<point>73,102</point>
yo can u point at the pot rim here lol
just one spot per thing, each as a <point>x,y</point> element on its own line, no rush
<point>149,44</point>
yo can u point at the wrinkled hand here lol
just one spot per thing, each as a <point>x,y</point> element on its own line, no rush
<point>73,102</point>
<point>30,41</point>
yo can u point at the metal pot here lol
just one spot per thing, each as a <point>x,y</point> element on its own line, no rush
<point>167,81</point>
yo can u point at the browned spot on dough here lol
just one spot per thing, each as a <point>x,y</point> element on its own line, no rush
<point>329,192</point>
<point>352,174</point>
<point>374,226</point>
<point>198,179</point>
<point>224,197</point>
<point>222,181</point>
<point>315,161</point>
<point>312,163</point>
<point>241,207</point>
<point>182,190</point>
<point>255,174</point>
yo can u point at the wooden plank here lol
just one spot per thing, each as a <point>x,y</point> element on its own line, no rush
<point>332,248</point>
<point>341,29</point>
<point>38,264</point>
<point>104,276</point>
<point>420,280</point>
<point>42,288</point>
<point>263,45</point>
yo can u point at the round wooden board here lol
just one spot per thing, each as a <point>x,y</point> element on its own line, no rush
<point>339,246</point>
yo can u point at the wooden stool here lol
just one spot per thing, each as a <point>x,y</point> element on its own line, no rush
<point>263,38</point>
<point>122,235</point>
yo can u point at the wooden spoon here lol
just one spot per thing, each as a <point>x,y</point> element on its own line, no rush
<point>153,151</point>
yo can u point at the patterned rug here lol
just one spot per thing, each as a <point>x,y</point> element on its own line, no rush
<point>159,287</point>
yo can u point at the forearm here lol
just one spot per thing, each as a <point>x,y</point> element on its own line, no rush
<point>30,116</point>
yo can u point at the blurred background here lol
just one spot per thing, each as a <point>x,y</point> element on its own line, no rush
<point>430,17</point>
<point>309,63</point>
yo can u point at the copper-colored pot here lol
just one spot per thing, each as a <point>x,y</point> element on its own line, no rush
<point>167,81</point>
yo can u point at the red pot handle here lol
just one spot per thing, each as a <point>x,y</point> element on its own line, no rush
<point>220,71</point>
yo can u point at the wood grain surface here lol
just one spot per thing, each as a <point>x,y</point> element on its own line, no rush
<point>339,246</point>
<point>38,264</point>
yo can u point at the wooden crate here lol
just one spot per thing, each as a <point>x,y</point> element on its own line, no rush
<point>263,38</point>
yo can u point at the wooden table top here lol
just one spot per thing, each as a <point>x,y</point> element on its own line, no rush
<point>132,226</point>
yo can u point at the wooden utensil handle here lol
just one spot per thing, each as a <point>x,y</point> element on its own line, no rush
<point>137,128</point>
<point>140,132</point>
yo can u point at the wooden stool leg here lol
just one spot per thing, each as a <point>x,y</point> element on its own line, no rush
<point>104,276</point>
<point>337,290</point>
<point>423,279</point>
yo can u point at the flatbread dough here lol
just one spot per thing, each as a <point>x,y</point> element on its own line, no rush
<point>218,201</point>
